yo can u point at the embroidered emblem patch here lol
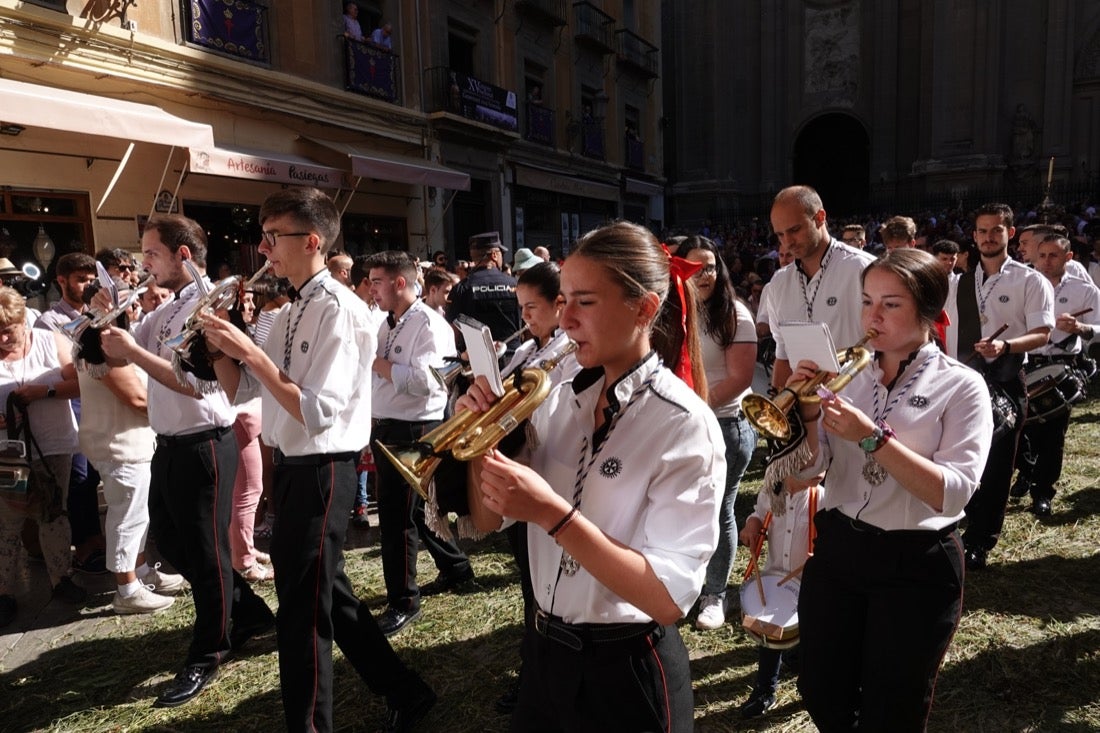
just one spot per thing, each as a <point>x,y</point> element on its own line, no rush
<point>305,347</point>
<point>1063,299</point>
<point>397,349</point>
<point>831,300</point>
<point>1004,299</point>
<point>611,468</point>
<point>918,400</point>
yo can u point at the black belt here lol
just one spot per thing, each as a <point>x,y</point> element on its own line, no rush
<point>578,636</point>
<point>313,459</point>
<point>866,528</point>
<point>169,441</point>
<point>387,422</point>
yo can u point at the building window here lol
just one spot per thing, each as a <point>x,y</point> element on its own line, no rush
<point>461,44</point>
<point>237,28</point>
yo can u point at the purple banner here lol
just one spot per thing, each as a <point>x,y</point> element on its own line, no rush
<point>478,100</point>
<point>237,27</point>
<point>371,70</point>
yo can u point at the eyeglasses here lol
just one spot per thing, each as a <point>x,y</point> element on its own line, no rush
<point>849,240</point>
<point>271,238</point>
<point>707,271</point>
<point>125,268</point>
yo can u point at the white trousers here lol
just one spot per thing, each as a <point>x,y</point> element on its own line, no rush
<point>126,489</point>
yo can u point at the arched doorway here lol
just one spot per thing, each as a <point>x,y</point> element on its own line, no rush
<point>833,154</point>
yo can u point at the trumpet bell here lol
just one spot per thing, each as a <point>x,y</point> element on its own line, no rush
<point>413,465</point>
<point>449,373</point>
<point>767,417</point>
<point>75,328</point>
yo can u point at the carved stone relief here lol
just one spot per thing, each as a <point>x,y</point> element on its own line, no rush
<point>832,49</point>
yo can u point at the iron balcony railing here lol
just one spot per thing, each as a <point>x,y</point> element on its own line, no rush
<point>635,51</point>
<point>540,125</point>
<point>593,27</point>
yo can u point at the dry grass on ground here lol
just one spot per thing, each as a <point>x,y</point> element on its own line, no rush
<point>1026,656</point>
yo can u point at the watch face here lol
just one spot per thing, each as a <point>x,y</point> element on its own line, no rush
<point>872,441</point>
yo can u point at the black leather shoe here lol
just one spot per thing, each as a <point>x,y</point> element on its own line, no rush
<point>1020,487</point>
<point>975,559</point>
<point>240,633</point>
<point>458,583</point>
<point>392,620</point>
<point>404,718</point>
<point>1040,507</point>
<point>757,705</point>
<point>186,685</point>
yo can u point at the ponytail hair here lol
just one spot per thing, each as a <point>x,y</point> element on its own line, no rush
<point>640,265</point>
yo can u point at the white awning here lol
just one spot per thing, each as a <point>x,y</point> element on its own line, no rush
<point>258,165</point>
<point>398,168</point>
<point>85,117</point>
<point>32,105</point>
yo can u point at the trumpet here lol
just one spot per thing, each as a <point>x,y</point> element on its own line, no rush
<point>76,328</point>
<point>222,295</point>
<point>469,435</point>
<point>769,417</point>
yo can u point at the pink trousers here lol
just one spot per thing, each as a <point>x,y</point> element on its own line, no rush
<point>249,485</point>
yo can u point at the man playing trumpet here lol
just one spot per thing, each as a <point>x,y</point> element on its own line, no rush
<point>194,465</point>
<point>316,401</point>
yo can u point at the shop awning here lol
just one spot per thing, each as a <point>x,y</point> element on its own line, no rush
<point>80,118</point>
<point>258,165</point>
<point>33,105</point>
<point>398,168</point>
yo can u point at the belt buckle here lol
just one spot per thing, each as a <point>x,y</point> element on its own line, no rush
<point>542,621</point>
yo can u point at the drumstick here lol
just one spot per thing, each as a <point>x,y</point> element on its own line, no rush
<point>797,571</point>
<point>760,589</point>
<point>995,334</point>
<point>1080,313</point>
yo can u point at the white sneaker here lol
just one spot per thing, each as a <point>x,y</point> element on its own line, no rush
<point>712,613</point>
<point>166,584</point>
<point>143,601</point>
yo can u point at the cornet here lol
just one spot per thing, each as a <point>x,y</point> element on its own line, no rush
<point>221,296</point>
<point>769,417</point>
<point>469,435</point>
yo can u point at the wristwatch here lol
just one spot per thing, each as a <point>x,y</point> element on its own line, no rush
<point>51,391</point>
<point>876,439</point>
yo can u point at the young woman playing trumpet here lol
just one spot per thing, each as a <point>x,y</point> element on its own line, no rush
<point>619,484</point>
<point>904,444</point>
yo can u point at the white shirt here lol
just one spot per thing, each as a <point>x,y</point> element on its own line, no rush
<point>942,412</point>
<point>1070,296</point>
<point>172,413</point>
<point>419,340</point>
<point>53,423</point>
<point>1076,269</point>
<point>1016,295</point>
<point>653,485</point>
<point>714,358</point>
<point>833,295</point>
<point>763,312</point>
<point>529,354</point>
<point>789,533</point>
<point>57,316</point>
<point>324,344</point>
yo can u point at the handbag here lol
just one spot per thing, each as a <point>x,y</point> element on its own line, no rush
<point>28,487</point>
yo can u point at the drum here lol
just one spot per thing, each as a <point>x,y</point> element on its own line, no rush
<point>1051,389</point>
<point>1005,414</point>
<point>774,623</point>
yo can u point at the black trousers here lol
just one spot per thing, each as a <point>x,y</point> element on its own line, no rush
<point>401,522</point>
<point>640,684</point>
<point>83,502</point>
<point>190,499</point>
<point>1042,463</point>
<point>876,613</point>
<point>317,605</point>
<point>985,512</point>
